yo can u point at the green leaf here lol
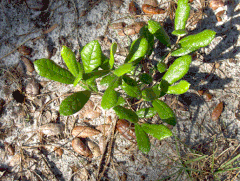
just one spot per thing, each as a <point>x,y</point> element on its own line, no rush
<point>146,112</point>
<point>144,32</point>
<point>146,78</point>
<point>74,103</point>
<point>121,101</point>
<point>158,131</point>
<point>199,40</point>
<point>130,87</point>
<point>183,51</point>
<point>161,67</point>
<point>138,50</point>
<point>157,30</point>
<point>123,69</point>
<point>181,16</point>
<point>165,112</point>
<point>179,88</point>
<point>107,80</point>
<point>92,86</point>
<point>48,69</point>
<point>89,77</point>
<point>110,98</point>
<point>144,144</point>
<point>148,94</point>
<point>91,56</point>
<point>179,32</point>
<point>80,74</point>
<point>105,63</point>
<point>112,52</point>
<point>127,114</point>
<point>156,90</point>
<point>70,59</point>
<point>178,69</point>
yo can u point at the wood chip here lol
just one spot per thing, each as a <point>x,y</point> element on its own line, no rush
<point>215,4</point>
<point>10,150</point>
<point>94,148</point>
<point>32,87</point>
<point>132,8</point>
<point>132,29</point>
<point>24,50</point>
<point>116,26</point>
<point>153,3</point>
<point>104,128</point>
<point>217,111</point>
<point>58,151</point>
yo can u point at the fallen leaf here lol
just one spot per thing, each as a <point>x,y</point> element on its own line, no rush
<point>217,111</point>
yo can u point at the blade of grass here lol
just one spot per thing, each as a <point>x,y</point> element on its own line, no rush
<point>230,161</point>
<point>195,159</point>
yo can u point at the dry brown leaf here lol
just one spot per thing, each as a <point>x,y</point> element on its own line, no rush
<point>28,64</point>
<point>119,25</point>
<point>84,131</point>
<point>58,151</point>
<point>24,50</point>
<point>132,8</point>
<point>153,3</point>
<point>125,129</point>
<point>215,4</point>
<point>15,160</point>
<point>10,150</point>
<point>80,148</point>
<point>109,120</point>
<point>104,128</point>
<point>94,148</point>
<point>102,143</point>
<point>32,87</point>
<point>91,114</point>
<point>148,9</point>
<point>131,29</point>
<point>217,111</point>
<point>51,129</point>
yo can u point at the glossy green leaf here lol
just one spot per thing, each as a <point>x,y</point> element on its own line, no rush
<point>127,114</point>
<point>183,51</point>
<point>89,77</point>
<point>91,56</point>
<point>91,86</point>
<point>48,69</point>
<point>179,88</point>
<point>146,112</point>
<point>157,30</point>
<point>158,131</point>
<point>161,67</point>
<point>148,94</point>
<point>70,59</point>
<point>144,32</point>
<point>179,32</point>
<point>110,98</point>
<point>156,90</point>
<point>123,69</point>
<point>121,101</point>
<point>181,16</point>
<point>130,87</point>
<point>143,142</point>
<point>80,74</point>
<point>146,78</point>
<point>74,103</point>
<point>165,112</point>
<point>178,69</point>
<point>107,80</point>
<point>138,50</point>
<point>112,52</point>
<point>105,63</point>
<point>199,40</point>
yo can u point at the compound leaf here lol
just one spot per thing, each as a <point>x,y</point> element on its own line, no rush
<point>48,69</point>
<point>143,142</point>
<point>70,59</point>
<point>164,111</point>
<point>74,103</point>
<point>91,55</point>
<point>158,131</point>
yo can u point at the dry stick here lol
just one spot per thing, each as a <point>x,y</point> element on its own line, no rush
<point>106,152</point>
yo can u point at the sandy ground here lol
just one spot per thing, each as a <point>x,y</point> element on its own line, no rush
<point>215,68</point>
